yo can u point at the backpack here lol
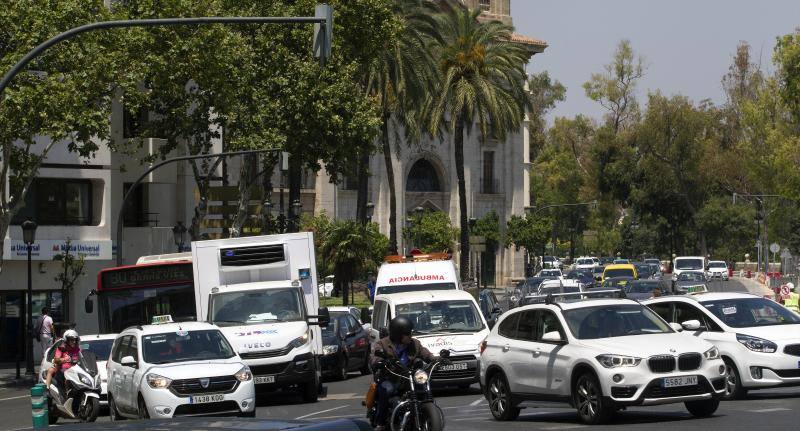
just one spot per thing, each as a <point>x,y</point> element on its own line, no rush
<point>37,328</point>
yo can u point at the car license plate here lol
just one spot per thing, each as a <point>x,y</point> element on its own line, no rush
<point>674,382</point>
<point>454,367</point>
<point>260,380</point>
<point>203,399</point>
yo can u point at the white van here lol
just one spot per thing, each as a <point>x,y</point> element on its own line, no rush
<point>434,271</point>
<point>687,263</point>
<point>443,319</point>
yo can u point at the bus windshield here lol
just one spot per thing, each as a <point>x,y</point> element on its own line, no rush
<point>252,307</point>
<point>123,308</point>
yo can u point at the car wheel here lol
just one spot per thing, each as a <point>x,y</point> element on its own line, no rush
<point>310,391</point>
<point>702,409</point>
<point>588,399</point>
<point>733,383</point>
<point>113,413</point>
<point>501,403</point>
<point>143,413</point>
<point>341,373</point>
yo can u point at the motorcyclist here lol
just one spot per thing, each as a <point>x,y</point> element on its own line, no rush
<point>399,345</point>
<point>68,352</point>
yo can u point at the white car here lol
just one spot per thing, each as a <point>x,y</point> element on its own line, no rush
<point>758,339</point>
<point>585,263</point>
<point>326,288</point>
<point>600,355</point>
<point>717,269</point>
<point>177,369</point>
<point>99,344</point>
<point>550,273</point>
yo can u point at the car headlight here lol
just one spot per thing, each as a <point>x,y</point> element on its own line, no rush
<point>329,350</point>
<point>420,377</point>
<point>711,354</point>
<point>244,374</point>
<point>158,382</point>
<point>615,361</point>
<point>757,344</point>
<point>86,381</point>
<point>300,341</point>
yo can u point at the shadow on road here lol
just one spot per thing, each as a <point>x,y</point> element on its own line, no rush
<point>620,418</point>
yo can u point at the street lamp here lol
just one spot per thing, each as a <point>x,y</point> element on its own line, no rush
<point>179,235</point>
<point>296,207</point>
<point>29,237</point>
<point>370,211</point>
<point>268,211</point>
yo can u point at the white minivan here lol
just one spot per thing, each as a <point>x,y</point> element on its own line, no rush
<point>442,319</point>
<point>687,263</point>
<point>435,271</point>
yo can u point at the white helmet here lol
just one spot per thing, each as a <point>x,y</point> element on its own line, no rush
<point>72,334</point>
<point>790,286</point>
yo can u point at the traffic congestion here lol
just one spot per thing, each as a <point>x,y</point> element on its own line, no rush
<point>601,340</point>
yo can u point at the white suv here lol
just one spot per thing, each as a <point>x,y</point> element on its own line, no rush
<point>600,355</point>
<point>177,369</point>
<point>717,268</point>
<point>758,339</point>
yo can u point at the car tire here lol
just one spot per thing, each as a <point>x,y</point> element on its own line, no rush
<point>113,413</point>
<point>341,372</point>
<point>310,391</point>
<point>501,403</point>
<point>733,383</point>
<point>702,409</point>
<point>588,399</point>
<point>142,409</point>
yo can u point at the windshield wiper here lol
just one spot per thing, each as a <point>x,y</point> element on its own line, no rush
<point>417,331</point>
<point>239,322</point>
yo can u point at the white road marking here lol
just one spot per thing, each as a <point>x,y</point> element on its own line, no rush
<point>15,398</point>
<point>777,409</point>
<point>343,397</point>
<point>319,412</point>
<point>565,427</point>
<point>353,416</point>
<point>477,402</point>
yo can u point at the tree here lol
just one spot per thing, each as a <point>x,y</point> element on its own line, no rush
<point>787,59</point>
<point>72,268</point>
<point>615,89</point>
<point>351,249</point>
<point>544,94</point>
<point>729,228</point>
<point>528,232</point>
<point>432,232</point>
<point>483,76</point>
<point>64,95</point>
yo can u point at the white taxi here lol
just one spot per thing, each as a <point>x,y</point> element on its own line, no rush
<point>758,339</point>
<point>600,355</point>
<point>177,369</point>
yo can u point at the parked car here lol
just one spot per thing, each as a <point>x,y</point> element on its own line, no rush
<point>691,282</point>
<point>551,262</point>
<point>345,346</point>
<point>354,311</point>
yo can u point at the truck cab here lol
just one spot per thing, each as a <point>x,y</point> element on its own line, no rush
<point>262,293</point>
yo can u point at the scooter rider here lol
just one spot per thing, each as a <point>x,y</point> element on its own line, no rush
<point>401,346</point>
<point>66,353</point>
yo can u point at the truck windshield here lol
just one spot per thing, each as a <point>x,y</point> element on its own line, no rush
<point>386,290</point>
<point>688,264</point>
<point>252,307</point>
<point>442,316</point>
<point>183,346</point>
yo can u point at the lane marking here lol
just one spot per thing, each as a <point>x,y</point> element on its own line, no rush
<point>15,398</point>
<point>319,412</point>
<point>776,409</point>
<point>343,397</point>
<point>565,427</point>
<point>353,416</point>
<point>477,402</point>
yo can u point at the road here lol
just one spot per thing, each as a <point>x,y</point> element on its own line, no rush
<point>775,409</point>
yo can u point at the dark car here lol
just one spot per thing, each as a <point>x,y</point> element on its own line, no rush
<point>643,270</point>
<point>642,289</point>
<point>584,276</point>
<point>597,273</point>
<point>616,283</point>
<point>490,306</point>
<point>608,260</point>
<point>345,346</point>
<point>529,287</point>
<point>691,281</point>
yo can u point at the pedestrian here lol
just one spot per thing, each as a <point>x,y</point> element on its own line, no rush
<point>792,302</point>
<point>43,330</point>
<point>371,288</point>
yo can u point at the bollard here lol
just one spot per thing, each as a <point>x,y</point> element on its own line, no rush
<point>39,407</point>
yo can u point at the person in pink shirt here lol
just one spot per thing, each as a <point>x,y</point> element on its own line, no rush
<point>66,354</point>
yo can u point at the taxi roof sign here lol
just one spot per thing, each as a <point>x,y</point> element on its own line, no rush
<point>160,320</point>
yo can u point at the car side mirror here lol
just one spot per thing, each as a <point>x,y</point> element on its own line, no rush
<point>128,361</point>
<point>444,353</point>
<point>691,325</point>
<point>552,337</point>
<point>88,305</point>
<point>323,317</point>
<point>365,316</point>
<point>676,326</point>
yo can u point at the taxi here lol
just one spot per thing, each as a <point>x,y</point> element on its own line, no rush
<point>177,369</point>
<point>620,270</point>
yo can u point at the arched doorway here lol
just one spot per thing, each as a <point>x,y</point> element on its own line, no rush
<point>423,177</point>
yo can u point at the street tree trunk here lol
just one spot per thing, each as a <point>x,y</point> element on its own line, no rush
<point>295,184</point>
<point>268,165</point>
<point>246,177</point>
<point>387,160</point>
<point>203,184</point>
<point>462,198</point>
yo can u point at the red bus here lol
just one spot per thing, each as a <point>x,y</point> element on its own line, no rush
<point>131,295</point>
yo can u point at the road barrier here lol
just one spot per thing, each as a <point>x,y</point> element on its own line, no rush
<point>39,406</point>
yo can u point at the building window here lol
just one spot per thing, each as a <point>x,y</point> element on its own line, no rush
<point>58,202</point>
<point>423,178</point>
<point>488,185</point>
<point>485,5</point>
<point>136,209</point>
<point>133,122</point>
<point>350,182</point>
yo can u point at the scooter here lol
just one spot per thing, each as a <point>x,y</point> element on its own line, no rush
<point>76,395</point>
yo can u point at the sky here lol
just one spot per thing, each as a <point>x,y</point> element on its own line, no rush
<point>688,45</point>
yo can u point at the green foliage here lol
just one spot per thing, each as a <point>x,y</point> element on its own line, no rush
<point>615,89</point>
<point>528,232</point>
<point>729,228</point>
<point>432,232</point>
<point>544,94</point>
<point>72,268</point>
<point>488,227</point>
<point>787,58</point>
<point>352,249</point>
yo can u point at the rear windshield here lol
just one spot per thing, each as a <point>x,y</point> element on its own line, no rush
<point>585,262</point>
<point>386,290</point>
<point>622,272</point>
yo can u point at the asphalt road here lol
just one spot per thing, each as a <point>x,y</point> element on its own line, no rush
<point>775,409</point>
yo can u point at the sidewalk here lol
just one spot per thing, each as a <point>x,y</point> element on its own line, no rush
<point>8,376</point>
<point>753,286</point>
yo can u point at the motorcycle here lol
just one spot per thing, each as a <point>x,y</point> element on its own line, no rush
<point>412,407</point>
<point>76,394</point>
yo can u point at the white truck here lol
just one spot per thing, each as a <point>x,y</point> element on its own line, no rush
<point>262,293</point>
<point>687,263</point>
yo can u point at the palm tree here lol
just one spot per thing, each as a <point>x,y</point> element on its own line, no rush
<point>351,248</point>
<point>483,76</point>
<point>401,77</point>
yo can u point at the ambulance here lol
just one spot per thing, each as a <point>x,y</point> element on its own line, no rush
<point>416,273</point>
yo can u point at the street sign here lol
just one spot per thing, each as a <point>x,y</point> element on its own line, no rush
<point>785,291</point>
<point>774,247</point>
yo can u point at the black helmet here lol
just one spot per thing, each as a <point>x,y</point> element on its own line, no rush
<point>398,327</point>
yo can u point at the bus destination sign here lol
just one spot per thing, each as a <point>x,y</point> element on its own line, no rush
<point>149,275</point>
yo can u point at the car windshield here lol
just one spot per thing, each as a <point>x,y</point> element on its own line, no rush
<point>334,326</point>
<point>598,270</point>
<point>614,321</point>
<point>547,259</point>
<point>253,307</point>
<point>620,272</point>
<point>691,276</point>
<point>688,264</point>
<point>641,287</point>
<point>555,288</point>
<point>549,273</point>
<point>100,348</point>
<point>616,283</point>
<point>643,269</point>
<point>184,346</point>
<point>749,312</point>
<point>442,316</point>
<point>386,290</point>
<point>717,265</point>
<point>653,261</point>
<point>585,262</point>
